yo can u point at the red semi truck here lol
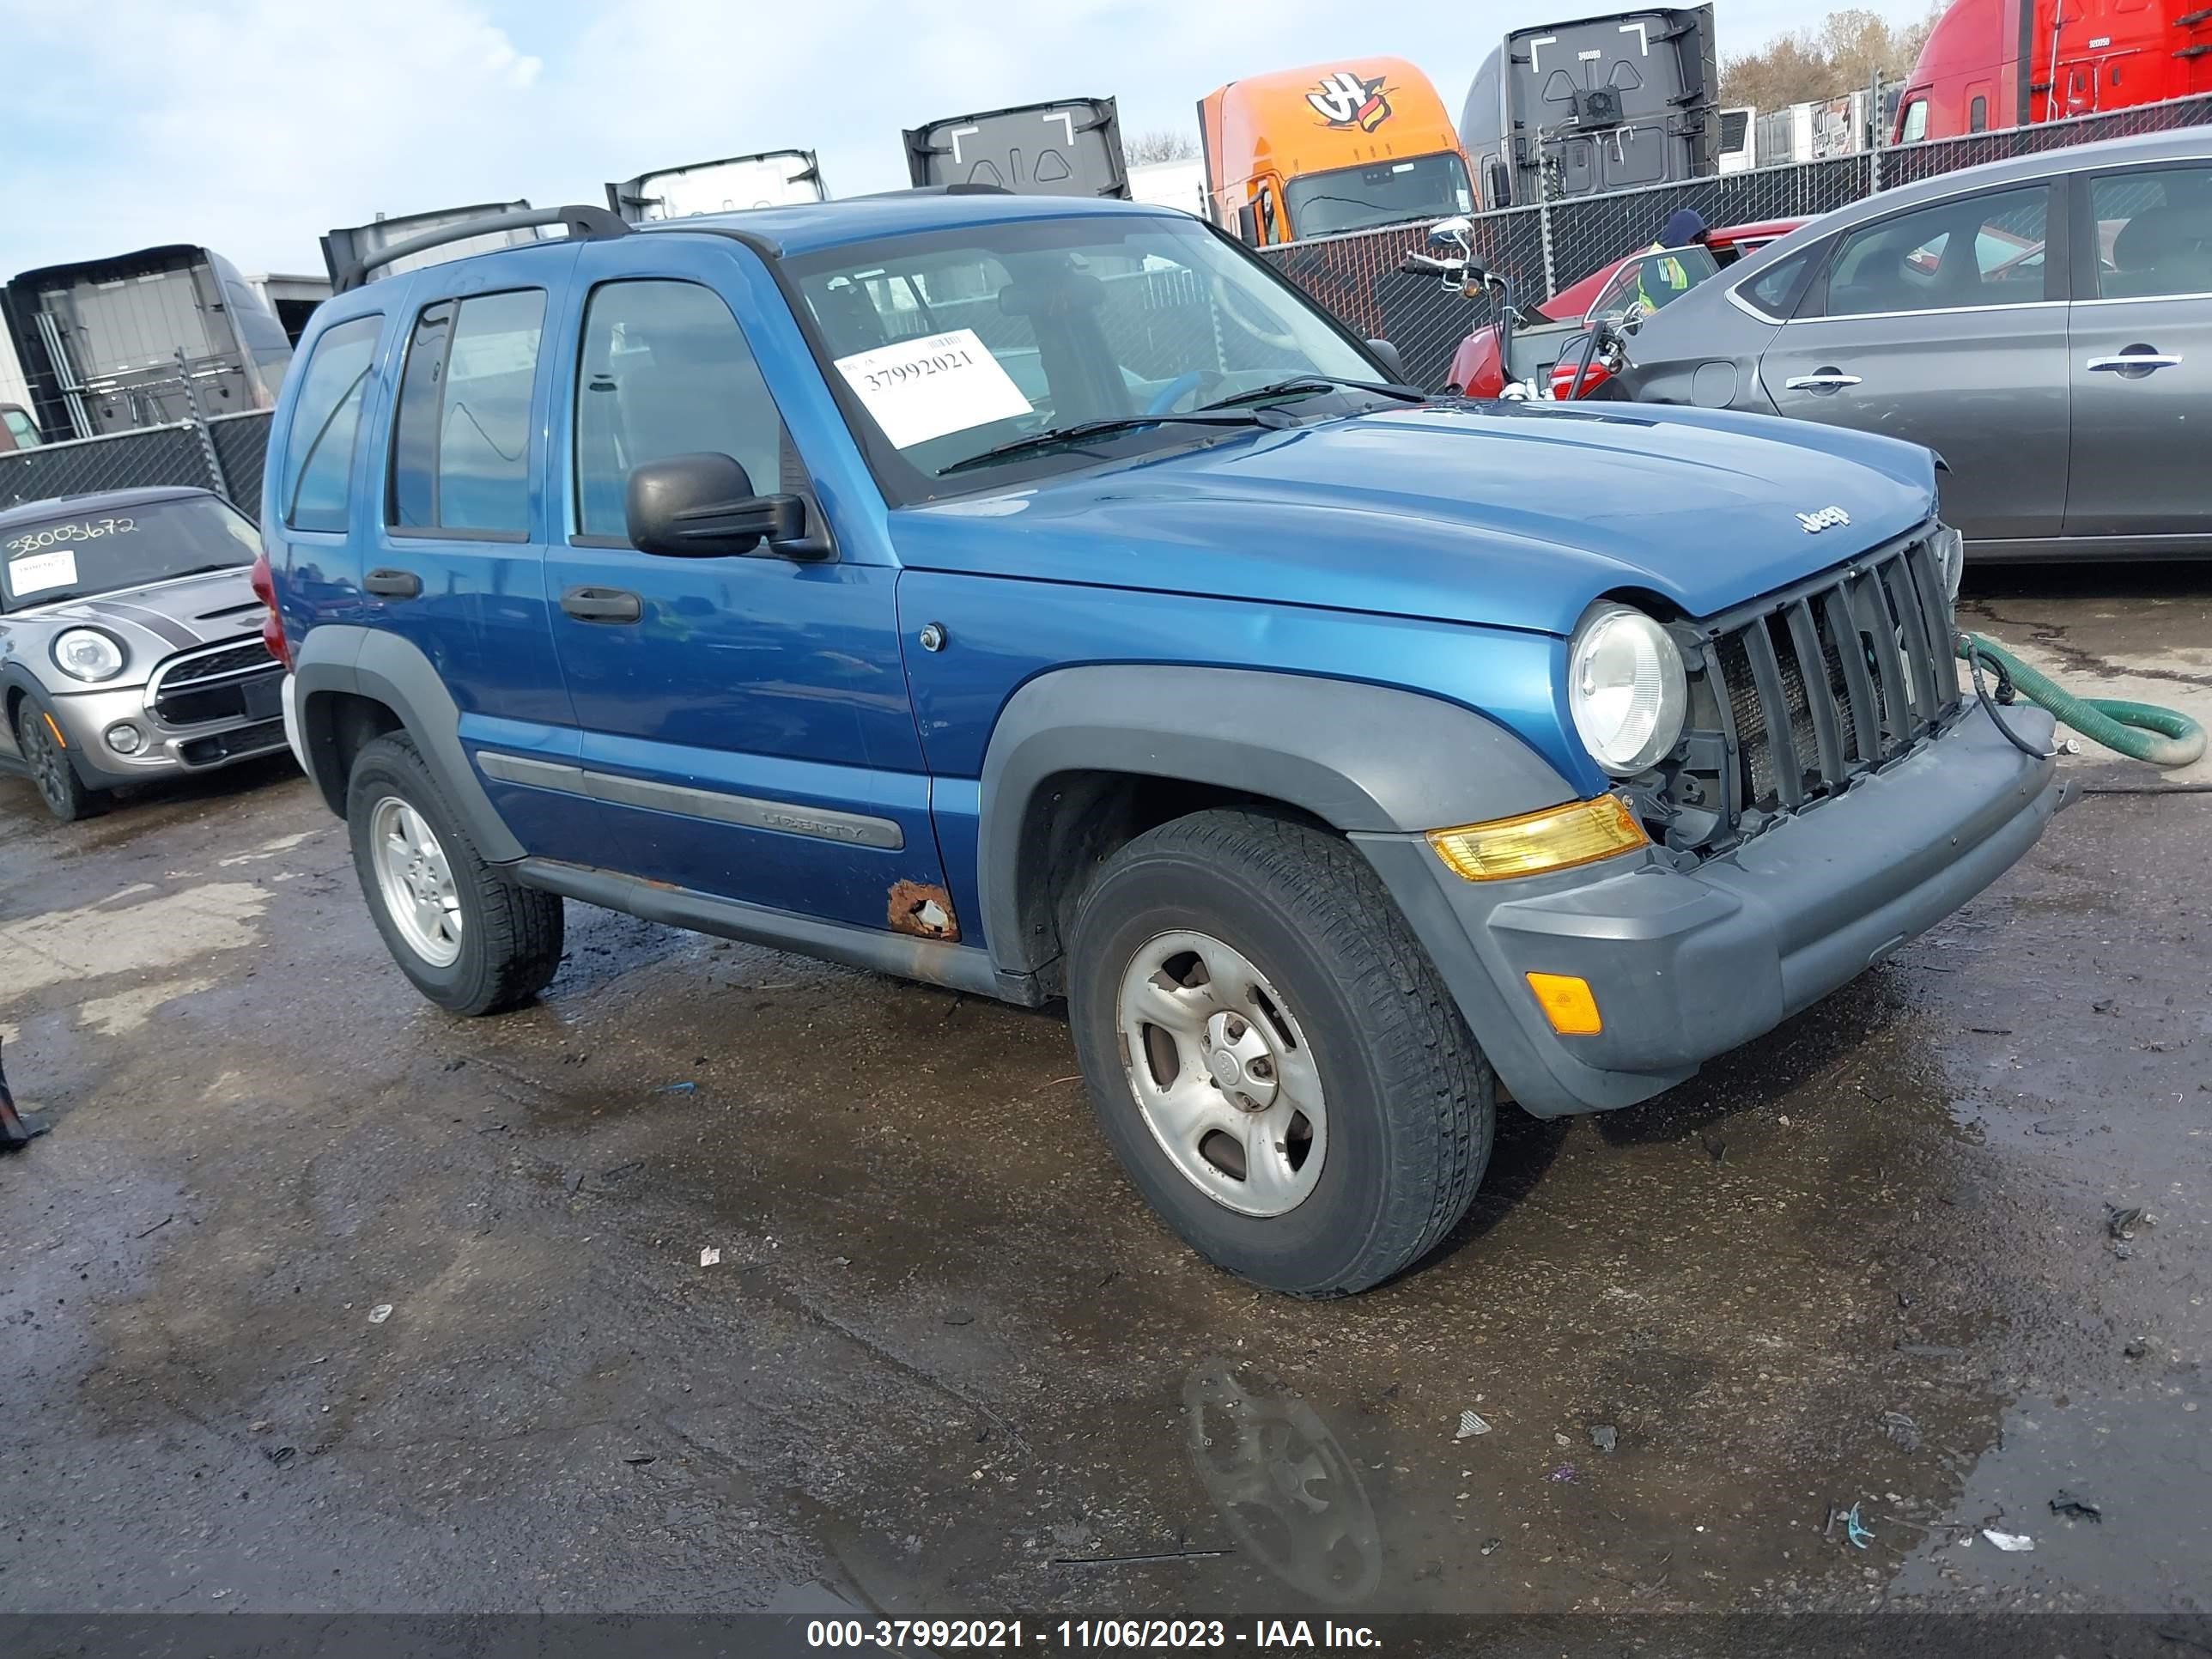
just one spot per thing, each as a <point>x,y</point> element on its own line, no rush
<point>2010,63</point>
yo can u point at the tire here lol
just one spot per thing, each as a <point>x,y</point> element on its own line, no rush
<point>47,764</point>
<point>495,944</point>
<point>1350,1012</point>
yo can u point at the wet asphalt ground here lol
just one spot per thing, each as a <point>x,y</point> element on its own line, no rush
<point>946,1364</point>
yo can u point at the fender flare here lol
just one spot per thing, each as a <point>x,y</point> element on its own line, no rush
<point>336,658</point>
<point>1359,758</point>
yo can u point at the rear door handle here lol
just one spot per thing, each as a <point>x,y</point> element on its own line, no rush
<point>607,604</point>
<point>1826,380</point>
<point>2129,361</point>
<point>392,584</point>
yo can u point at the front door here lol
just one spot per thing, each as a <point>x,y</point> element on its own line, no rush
<point>744,725</point>
<point>1945,327</point>
<point>2139,341</point>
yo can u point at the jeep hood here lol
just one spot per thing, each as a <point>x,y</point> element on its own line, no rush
<point>1513,515</point>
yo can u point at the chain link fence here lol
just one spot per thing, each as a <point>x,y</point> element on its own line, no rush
<point>223,454</point>
<point>1554,245</point>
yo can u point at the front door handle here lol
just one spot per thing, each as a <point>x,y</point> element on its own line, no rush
<point>606,605</point>
<point>2136,360</point>
<point>390,584</point>
<point>1821,379</point>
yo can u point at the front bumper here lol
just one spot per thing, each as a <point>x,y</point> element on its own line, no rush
<point>1687,963</point>
<point>86,717</point>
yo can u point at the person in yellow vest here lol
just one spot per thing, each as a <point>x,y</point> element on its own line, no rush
<point>1661,279</point>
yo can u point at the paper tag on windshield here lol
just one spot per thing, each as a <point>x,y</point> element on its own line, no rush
<point>36,572</point>
<point>917,390</point>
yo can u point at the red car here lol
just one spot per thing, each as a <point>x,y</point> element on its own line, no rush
<point>1538,344</point>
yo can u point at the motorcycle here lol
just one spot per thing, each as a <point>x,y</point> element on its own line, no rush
<point>1582,371</point>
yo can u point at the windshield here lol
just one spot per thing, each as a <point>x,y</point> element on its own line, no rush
<point>1381,193</point>
<point>956,342</point>
<point>96,551</point>
<point>1652,282</point>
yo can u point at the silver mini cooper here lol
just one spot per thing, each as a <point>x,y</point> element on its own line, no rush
<point>130,643</point>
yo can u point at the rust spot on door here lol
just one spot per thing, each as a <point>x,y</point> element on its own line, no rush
<point>923,910</point>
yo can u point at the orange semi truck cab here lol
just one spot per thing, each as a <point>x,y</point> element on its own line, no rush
<point>1335,147</point>
<point>2013,62</point>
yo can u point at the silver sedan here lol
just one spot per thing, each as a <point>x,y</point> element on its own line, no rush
<point>2044,324</point>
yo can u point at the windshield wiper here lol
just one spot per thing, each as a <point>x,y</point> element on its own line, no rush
<point>1316,383</point>
<point>1054,436</point>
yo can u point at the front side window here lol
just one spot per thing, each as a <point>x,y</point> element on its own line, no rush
<point>1978,250</point>
<point>2154,233</point>
<point>460,449</point>
<point>1378,193</point>
<point>665,371</point>
<point>325,420</point>
<point>20,428</point>
<point>1915,122</point>
<point>106,550</point>
<point>954,342</point>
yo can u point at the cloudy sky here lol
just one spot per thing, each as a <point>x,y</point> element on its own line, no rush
<point>252,125</point>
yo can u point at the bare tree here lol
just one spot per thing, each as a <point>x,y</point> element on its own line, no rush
<point>1841,55</point>
<point>1162,144</point>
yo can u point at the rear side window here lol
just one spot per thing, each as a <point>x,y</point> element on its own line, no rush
<point>1978,114</point>
<point>325,420</point>
<point>665,370</point>
<point>2154,233</point>
<point>460,446</point>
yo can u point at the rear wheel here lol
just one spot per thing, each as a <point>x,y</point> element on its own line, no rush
<point>47,758</point>
<point>1272,1055</point>
<point>471,940</point>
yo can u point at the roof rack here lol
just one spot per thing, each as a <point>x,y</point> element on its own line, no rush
<point>583,222</point>
<point>934,189</point>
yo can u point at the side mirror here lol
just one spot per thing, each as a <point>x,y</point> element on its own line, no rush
<point>702,506</point>
<point>1386,354</point>
<point>1247,225</point>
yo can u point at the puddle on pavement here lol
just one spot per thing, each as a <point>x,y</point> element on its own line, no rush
<point>2145,1463</point>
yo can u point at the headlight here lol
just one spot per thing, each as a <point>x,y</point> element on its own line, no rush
<point>1626,688</point>
<point>1951,558</point>
<point>86,654</point>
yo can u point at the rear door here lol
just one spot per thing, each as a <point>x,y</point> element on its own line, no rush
<point>1946,325</point>
<point>744,728</point>
<point>2139,345</point>
<point>454,559</point>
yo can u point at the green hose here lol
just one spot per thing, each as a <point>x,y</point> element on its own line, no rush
<point>2140,731</point>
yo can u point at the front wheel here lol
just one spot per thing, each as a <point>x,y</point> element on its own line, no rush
<point>471,940</point>
<point>1272,1055</point>
<point>46,757</point>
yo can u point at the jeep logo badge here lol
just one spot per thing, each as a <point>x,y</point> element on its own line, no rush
<point>1828,518</point>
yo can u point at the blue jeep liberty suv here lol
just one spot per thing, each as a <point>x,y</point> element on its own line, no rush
<point>1044,599</point>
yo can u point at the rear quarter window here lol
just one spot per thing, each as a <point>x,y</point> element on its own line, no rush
<point>1773,292</point>
<point>325,423</point>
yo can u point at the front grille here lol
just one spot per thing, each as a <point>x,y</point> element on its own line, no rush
<point>202,686</point>
<point>219,665</point>
<point>1796,694</point>
<point>233,744</point>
